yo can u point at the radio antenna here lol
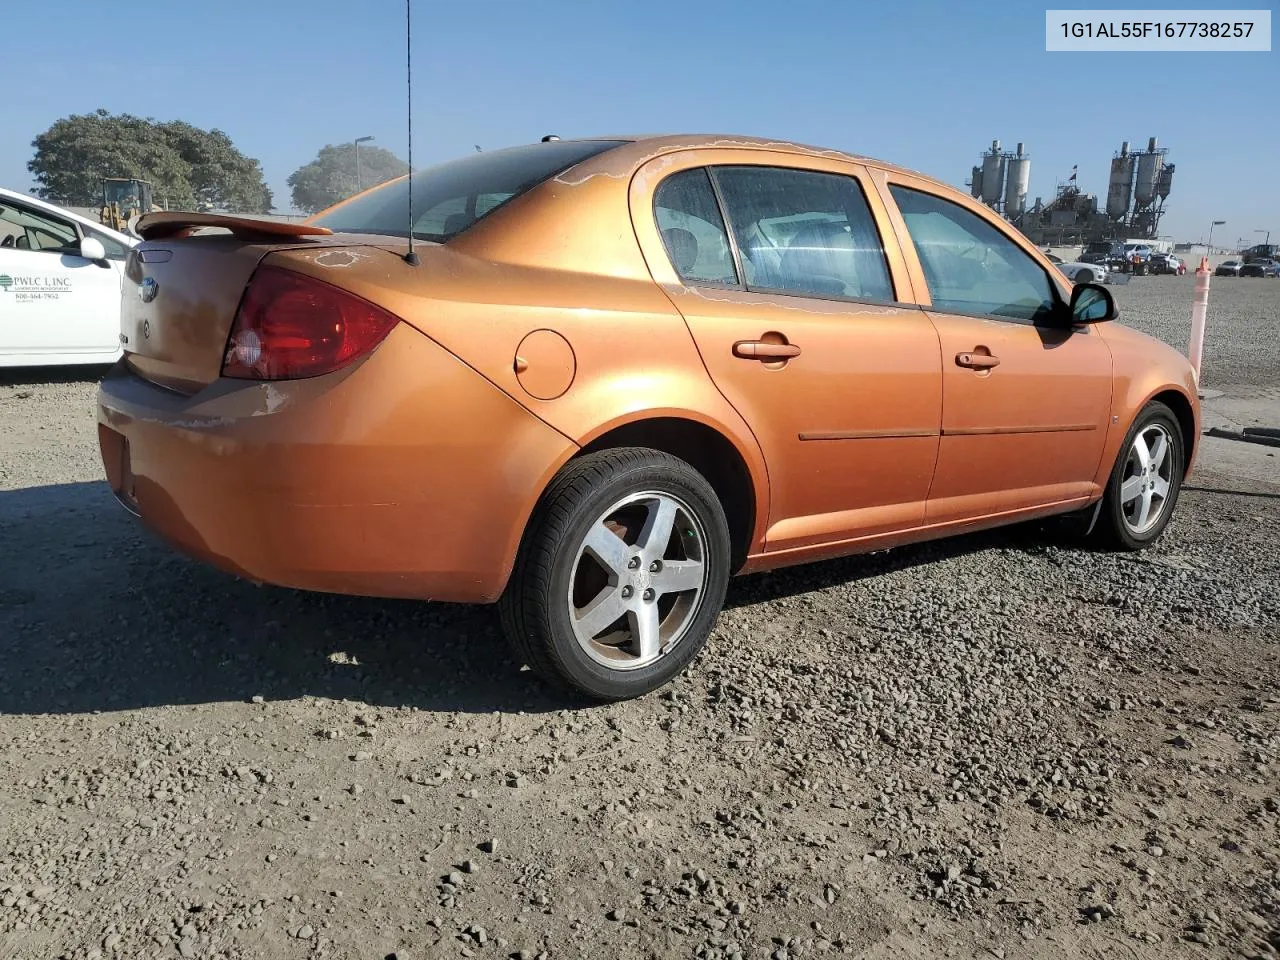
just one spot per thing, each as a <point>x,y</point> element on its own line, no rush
<point>410,258</point>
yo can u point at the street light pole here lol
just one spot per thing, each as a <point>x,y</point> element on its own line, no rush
<point>1215,223</point>
<point>359,140</point>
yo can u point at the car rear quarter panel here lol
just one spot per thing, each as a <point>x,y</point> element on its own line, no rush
<point>328,483</point>
<point>632,357</point>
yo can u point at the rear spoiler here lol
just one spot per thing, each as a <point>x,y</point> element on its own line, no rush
<point>157,226</point>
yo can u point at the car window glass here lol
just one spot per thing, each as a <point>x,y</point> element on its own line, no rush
<point>450,197</point>
<point>970,266</point>
<point>805,233</point>
<point>115,249</point>
<point>487,201</point>
<point>449,217</point>
<point>34,230</point>
<point>692,229</point>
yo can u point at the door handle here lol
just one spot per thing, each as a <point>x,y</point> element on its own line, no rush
<point>763,350</point>
<point>977,361</point>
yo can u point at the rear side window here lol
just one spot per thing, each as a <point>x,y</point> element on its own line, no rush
<point>805,233</point>
<point>452,196</point>
<point>692,229</point>
<point>970,266</point>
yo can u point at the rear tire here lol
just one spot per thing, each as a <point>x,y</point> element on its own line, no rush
<point>1143,488</point>
<point>621,574</point>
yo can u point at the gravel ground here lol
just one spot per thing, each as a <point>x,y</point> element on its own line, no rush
<point>992,746</point>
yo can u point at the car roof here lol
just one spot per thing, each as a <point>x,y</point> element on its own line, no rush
<point>29,200</point>
<point>652,145</point>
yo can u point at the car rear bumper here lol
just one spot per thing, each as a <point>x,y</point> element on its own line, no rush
<point>404,475</point>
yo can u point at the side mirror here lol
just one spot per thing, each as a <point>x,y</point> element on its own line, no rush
<point>1092,303</point>
<point>91,248</point>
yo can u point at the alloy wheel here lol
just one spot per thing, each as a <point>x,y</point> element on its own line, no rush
<point>638,579</point>
<point>1148,475</point>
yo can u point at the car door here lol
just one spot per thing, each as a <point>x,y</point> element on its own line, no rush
<point>1025,399</point>
<point>52,300</point>
<point>794,313</point>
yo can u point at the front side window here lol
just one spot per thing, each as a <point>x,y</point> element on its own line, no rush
<point>23,228</point>
<point>692,229</point>
<point>115,249</point>
<point>970,266</point>
<point>805,233</point>
<point>452,196</point>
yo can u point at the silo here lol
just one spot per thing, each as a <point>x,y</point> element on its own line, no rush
<point>992,175</point>
<point>1017,182</point>
<point>975,183</point>
<point>1166,181</point>
<point>1149,164</point>
<point>1121,184</point>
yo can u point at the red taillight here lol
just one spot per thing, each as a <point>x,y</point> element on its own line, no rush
<point>291,326</point>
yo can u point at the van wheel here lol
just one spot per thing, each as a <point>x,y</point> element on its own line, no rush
<point>621,575</point>
<point>1144,484</point>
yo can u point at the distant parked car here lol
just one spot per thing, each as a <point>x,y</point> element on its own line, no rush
<point>1097,252</point>
<point>1166,263</point>
<point>1078,272</point>
<point>1261,268</point>
<point>1261,251</point>
<point>1228,268</point>
<point>1111,258</point>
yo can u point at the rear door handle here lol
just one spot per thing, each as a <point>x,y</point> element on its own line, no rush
<point>762,350</point>
<point>977,361</point>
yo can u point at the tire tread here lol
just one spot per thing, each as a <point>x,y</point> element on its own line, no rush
<point>1109,531</point>
<point>528,594</point>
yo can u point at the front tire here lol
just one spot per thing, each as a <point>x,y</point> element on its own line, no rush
<point>1144,484</point>
<point>621,575</point>
<point>1084,276</point>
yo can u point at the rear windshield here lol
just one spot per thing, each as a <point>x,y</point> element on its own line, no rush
<point>452,196</point>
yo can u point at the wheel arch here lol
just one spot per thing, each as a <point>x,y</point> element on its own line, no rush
<point>1146,369</point>
<point>735,475</point>
<point>1172,395</point>
<point>1177,401</point>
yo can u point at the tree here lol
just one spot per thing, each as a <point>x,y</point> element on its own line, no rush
<point>187,166</point>
<point>220,175</point>
<point>331,176</point>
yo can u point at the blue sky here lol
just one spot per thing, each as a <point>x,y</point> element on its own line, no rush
<point>925,84</point>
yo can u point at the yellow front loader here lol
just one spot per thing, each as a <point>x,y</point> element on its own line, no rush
<point>122,200</point>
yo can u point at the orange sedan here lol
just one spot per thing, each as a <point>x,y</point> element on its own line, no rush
<point>610,374</point>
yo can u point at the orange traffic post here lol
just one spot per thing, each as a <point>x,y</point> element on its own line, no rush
<point>1199,308</point>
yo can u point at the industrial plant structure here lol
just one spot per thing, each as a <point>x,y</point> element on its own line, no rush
<point>1136,191</point>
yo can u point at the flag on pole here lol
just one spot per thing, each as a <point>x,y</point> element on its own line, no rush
<point>1071,179</point>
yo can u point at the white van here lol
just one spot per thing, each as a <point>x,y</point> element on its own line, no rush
<point>60,279</point>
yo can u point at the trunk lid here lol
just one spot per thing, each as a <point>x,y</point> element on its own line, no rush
<point>180,293</point>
